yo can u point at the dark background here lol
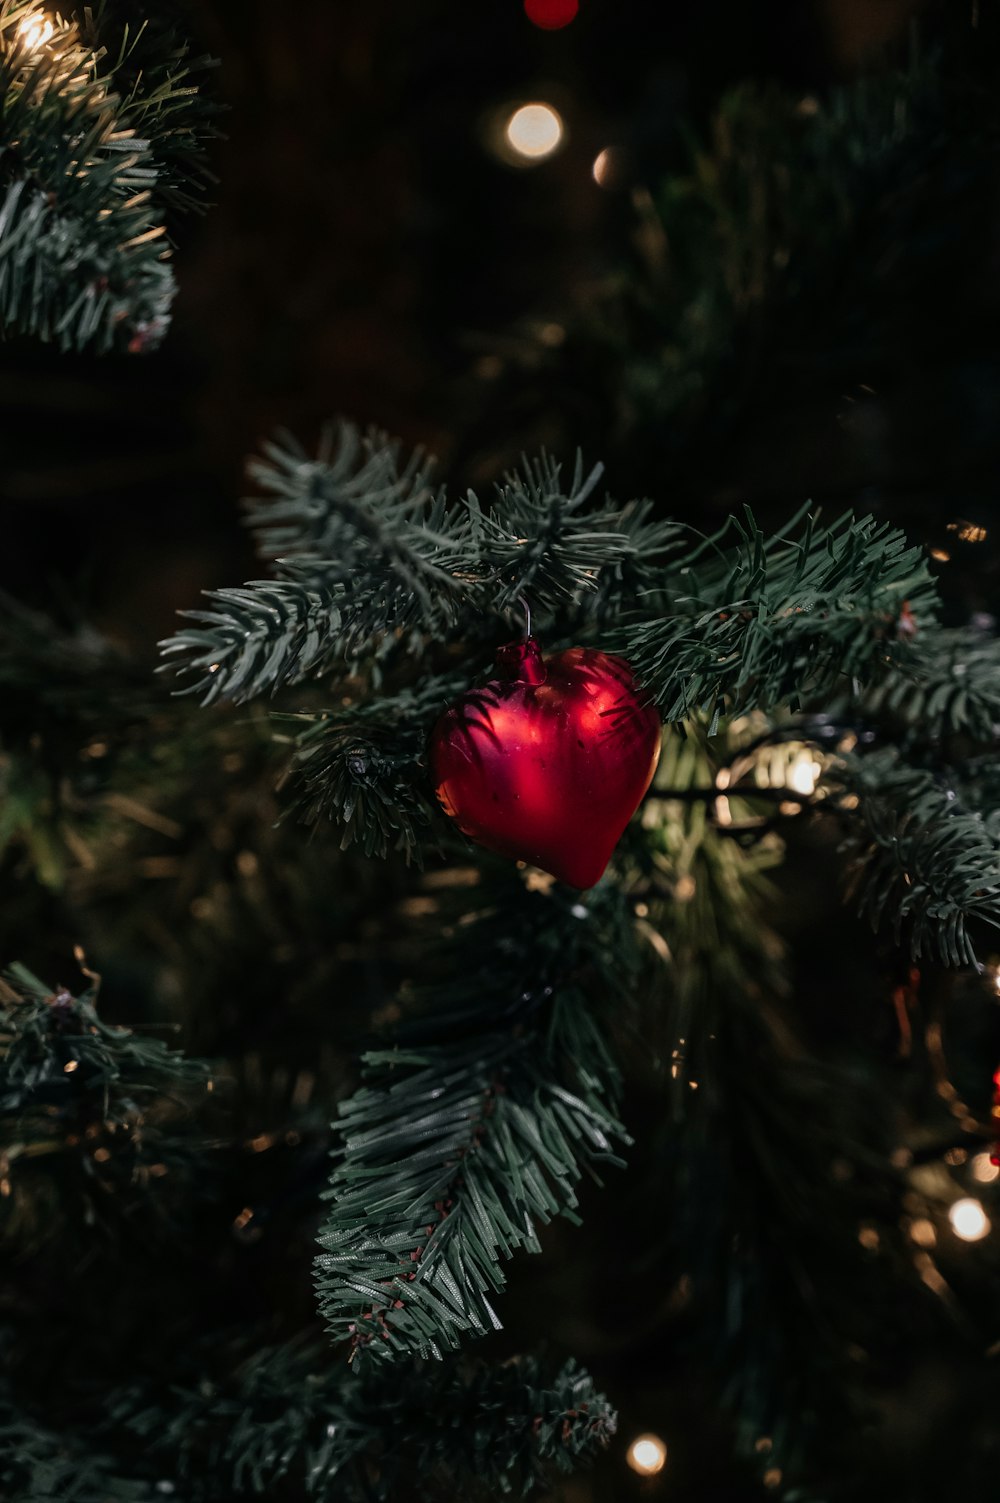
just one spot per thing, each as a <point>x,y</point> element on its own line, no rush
<point>368,254</point>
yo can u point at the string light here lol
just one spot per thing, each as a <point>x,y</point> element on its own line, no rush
<point>603,169</point>
<point>803,774</point>
<point>647,1455</point>
<point>534,131</point>
<point>984,1169</point>
<point>923,1232</point>
<point>969,532</point>
<point>36,30</point>
<point>968,1220</point>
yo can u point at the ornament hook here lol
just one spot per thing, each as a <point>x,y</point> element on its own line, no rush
<point>527,616</point>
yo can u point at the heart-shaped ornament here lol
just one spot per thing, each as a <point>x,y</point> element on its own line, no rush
<point>547,762</point>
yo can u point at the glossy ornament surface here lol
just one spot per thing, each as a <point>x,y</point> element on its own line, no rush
<point>548,761</point>
<point>551,15</point>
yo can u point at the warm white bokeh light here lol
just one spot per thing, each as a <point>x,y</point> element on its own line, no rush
<point>647,1455</point>
<point>35,31</point>
<point>803,774</point>
<point>602,168</point>
<point>923,1232</point>
<point>984,1169</point>
<point>534,131</point>
<point>968,1220</point>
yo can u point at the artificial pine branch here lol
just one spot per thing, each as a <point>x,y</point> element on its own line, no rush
<point>636,570</point>
<point>730,264</point>
<point>103,1112</point>
<point>919,858</point>
<point>476,1127</point>
<point>372,556</point>
<point>263,635</point>
<point>286,1416</point>
<point>46,1466</point>
<point>921,836</point>
<point>160,85</point>
<point>366,769</point>
<point>950,686</point>
<point>79,720</point>
<point>52,678</point>
<point>741,621</point>
<point>754,1115</point>
<point>376,559</point>
<point>357,497</point>
<point>361,540</point>
<point>84,259</point>
<point>751,622</point>
<point>539,543</point>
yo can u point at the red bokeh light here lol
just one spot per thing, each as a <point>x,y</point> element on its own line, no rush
<point>551,15</point>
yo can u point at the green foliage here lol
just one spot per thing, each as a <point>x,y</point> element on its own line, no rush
<point>736,622</point>
<point>73,678</point>
<point>70,703</point>
<point>91,1115</point>
<point>771,252</point>
<point>759,220</point>
<point>83,249</point>
<point>765,623</point>
<point>285,1416</point>
<point>43,1466</point>
<point>761,1237</point>
<point>541,544</point>
<point>366,769</point>
<point>370,554</point>
<point>255,638</point>
<point>160,85</point>
<point>375,560</point>
<point>920,858</point>
<point>950,687</point>
<point>360,540</point>
<point>356,499</point>
<point>476,1126</point>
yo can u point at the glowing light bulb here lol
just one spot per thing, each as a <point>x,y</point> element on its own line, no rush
<point>602,168</point>
<point>922,1232</point>
<point>35,31</point>
<point>803,774</point>
<point>984,1169</point>
<point>534,132</point>
<point>647,1455</point>
<point>968,1220</point>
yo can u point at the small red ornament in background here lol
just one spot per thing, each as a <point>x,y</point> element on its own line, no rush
<point>906,626</point>
<point>551,15</point>
<point>995,1114</point>
<point>548,761</point>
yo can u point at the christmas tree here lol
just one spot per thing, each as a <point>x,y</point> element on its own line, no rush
<point>505,868</point>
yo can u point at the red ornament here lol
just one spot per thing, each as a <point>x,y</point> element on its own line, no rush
<point>548,761</point>
<point>995,1114</point>
<point>551,15</point>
